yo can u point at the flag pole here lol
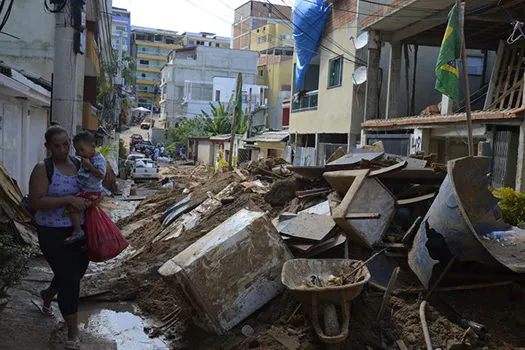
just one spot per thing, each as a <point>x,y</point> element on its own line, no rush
<point>238,88</point>
<point>464,65</point>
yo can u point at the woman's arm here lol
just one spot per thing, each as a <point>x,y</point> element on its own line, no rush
<point>38,186</point>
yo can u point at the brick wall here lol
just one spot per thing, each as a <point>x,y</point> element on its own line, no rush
<point>261,9</point>
<point>343,13</point>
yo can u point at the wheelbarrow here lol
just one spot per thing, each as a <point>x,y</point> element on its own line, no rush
<point>295,275</point>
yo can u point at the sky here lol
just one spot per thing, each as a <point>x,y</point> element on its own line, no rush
<point>215,16</point>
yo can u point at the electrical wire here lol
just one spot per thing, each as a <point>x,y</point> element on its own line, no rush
<point>208,11</point>
<point>310,37</point>
<point>332,40</point>
<point>6,15</point>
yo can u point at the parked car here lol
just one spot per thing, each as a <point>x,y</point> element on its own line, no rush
<point>134,139</point>
<point>143,146</point>
<point>147,124</point>
<point>145,169</point>
<point>130,160</point>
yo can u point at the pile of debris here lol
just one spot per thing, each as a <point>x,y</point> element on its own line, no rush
<point>211,249</point>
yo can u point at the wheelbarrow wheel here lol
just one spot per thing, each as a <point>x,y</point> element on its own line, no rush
<point>331,325</point>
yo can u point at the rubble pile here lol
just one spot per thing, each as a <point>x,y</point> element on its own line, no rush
<point>204,246</point>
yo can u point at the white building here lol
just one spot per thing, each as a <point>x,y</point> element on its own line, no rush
<point>24,115</point>
<point>196,76</point>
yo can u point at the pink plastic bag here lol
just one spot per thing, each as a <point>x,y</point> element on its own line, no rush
<point>104,240</point>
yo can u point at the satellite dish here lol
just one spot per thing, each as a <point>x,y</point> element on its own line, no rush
<point>362,40</point>
<point>360,75</point>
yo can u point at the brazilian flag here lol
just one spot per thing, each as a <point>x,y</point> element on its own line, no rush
<point>447,70</point>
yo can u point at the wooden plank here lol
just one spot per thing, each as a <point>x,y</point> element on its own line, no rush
<point>312,193</point>
<point>512,89</point>
<point>415,199</point>
<point>521,94</point>
<point>401,345</point>
<point>388,293</point>
<point>411,232</point>
<point>510,69</point>
<point>500,72</point>
<point>391,168</point>
<point>362,216</point>
<point>516,79</point>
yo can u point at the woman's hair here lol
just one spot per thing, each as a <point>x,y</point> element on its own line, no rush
<point>52,131</point>
<point>84,136</point>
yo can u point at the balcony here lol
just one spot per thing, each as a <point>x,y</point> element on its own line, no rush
<point>306,103</point>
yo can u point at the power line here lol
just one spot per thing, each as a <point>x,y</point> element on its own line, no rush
<point>331,40</point>
<point>310,37</point>
<point>7,13</point>
<point>208,11</point>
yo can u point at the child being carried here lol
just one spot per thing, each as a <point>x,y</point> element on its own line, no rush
<point>90,176</point>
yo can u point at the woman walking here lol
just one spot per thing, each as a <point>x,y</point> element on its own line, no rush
<point>52,189</point>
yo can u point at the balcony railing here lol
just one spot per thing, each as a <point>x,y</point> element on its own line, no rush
<point>149,66</point>
<point>307,102</point>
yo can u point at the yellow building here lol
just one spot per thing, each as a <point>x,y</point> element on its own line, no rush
<point>150,49</point>
<point>272,36</point>
<point>275,44</point>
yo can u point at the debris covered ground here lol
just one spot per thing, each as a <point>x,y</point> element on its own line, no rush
<point>205,199</point>
<point>281,323</point>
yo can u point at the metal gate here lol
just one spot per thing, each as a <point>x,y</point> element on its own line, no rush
<point>394,143</point>
<point>504,158</point>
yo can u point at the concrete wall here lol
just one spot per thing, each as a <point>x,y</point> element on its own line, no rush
<point>204,64</point>
<point>334,111</point>
<point>278,147</point>
<point>36,30</point>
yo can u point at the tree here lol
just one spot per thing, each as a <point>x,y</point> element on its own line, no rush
<point>220,120</point>
<point>184,130</point>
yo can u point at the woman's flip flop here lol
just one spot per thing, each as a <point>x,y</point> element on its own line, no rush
<point>46,311</point>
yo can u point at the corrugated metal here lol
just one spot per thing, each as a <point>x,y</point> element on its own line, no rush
<point>305,156</point>
<point>327,149</point>
<point>502,141</point>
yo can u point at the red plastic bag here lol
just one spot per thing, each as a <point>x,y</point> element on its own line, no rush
<point>104,240</point>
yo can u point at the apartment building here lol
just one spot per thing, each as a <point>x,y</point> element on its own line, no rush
<point>252,15</point>
<point>150,48</point>
<point>196,76</point>
<point>275,44</point>
<point>121,30</point>
<point>190,39</point>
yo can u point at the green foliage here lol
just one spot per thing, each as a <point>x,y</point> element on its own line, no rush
<point>512,205</point>
<point>13,262</point>
<point>184,130</point>
<point>220,121</point>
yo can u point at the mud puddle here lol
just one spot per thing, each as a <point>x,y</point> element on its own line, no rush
<point>119,323</point>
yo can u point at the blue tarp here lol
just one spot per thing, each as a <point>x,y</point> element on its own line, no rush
<point>309,18</point>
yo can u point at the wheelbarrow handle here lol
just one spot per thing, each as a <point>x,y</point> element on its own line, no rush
<point>346,321</point>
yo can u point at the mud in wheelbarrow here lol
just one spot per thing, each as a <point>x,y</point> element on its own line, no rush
<point>297,272</point>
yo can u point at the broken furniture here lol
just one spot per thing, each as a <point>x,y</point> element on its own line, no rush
<point>367,209</point>
<point>461,216</point>
<point>230,272</point>
<point>297,272</point>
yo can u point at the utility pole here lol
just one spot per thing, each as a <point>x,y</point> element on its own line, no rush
<point>249,121</point>
<point>468,108</point>
<point>238,87</point>
<point>65,109</point>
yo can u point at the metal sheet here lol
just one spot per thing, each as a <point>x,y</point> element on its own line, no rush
<point>354,158</point>
<point>312,227</point>
<point>461,215</point>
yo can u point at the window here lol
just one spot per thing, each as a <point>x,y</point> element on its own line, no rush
<point>475,65</point>
<point>335,70</point>
<point>261,73</point>
<point>143,49</point>
<point>121,28</point>
<point>217,45</point>
<point>144,62</point>
<point>143,75</point>
<point>217,95</point>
